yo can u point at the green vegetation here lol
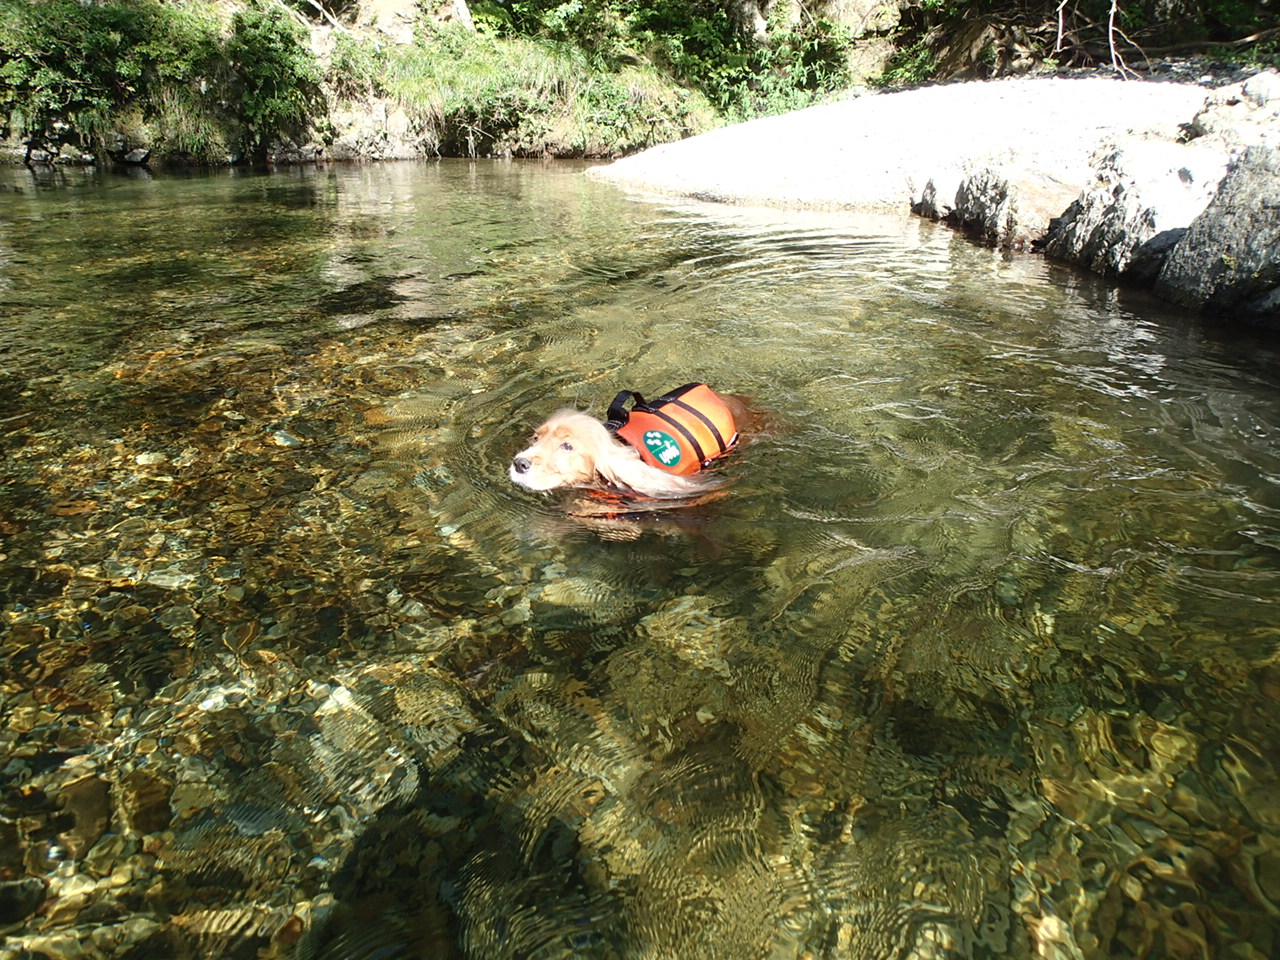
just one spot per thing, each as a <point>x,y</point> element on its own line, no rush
<point>173,74</point>
<point>357,66</point>
<point>208,80</point>
<point>514,96</point>
<point>274,70</point>
<point>696,43</point>
<point>911,64</point>
<point>70,67</point>
<point>582,78</point>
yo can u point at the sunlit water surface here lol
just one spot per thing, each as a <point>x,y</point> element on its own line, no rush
<point>977,657</point>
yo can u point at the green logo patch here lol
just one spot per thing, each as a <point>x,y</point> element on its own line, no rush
<point>663,447</point>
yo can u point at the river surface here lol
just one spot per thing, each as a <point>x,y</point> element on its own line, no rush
<point>978,655</point>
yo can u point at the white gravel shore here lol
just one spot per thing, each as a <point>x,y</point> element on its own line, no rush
<point>878,152</point>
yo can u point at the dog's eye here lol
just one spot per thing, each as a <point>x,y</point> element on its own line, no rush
<point>566,446</point>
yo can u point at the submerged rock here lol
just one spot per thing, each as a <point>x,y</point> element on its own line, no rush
<point>20,898</point>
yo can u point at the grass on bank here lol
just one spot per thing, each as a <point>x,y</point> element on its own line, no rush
<point>476,94</point>
<point>192,82</point>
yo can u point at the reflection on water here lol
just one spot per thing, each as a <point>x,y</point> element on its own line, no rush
<point>978,657</point>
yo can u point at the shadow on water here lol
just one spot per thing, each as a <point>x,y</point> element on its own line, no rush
<point>976,656</point>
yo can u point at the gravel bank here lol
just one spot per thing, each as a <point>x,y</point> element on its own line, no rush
<point>879,152</point>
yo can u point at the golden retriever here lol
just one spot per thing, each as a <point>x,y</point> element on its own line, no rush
<point>573,449</point>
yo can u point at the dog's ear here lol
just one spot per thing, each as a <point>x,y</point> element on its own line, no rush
<point>633,473</point>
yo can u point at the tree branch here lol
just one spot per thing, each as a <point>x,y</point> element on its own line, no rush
<point>1117,61</point>
<point>328,16</point>
<point>298,18</point>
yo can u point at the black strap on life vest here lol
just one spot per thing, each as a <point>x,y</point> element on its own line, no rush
<point>684,432</point>
<point>674,397</point>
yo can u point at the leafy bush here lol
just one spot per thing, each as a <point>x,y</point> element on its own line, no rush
<point>73,71</point>
<point>357,67</point>
<point>695,42</point>
<point>276,75</point>
<point>909,65</point>
<point>616,113</point>
<point>66,64</point>
<point>797,67</point>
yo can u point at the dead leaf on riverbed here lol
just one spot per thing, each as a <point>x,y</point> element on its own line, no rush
<point>376,415</point>
<point>72,508</point>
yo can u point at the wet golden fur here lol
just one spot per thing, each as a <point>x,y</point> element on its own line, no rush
<point>573,449</point>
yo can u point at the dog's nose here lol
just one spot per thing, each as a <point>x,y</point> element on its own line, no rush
<point>521,465</point>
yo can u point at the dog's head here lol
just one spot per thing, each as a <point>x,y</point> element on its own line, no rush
<point>566,452</point>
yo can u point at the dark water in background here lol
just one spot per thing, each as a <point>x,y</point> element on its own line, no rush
<point>979,656</point>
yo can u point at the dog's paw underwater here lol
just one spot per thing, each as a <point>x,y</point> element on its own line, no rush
<point>659,449</point>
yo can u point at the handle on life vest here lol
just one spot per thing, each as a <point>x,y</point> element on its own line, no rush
<point>618,412</point>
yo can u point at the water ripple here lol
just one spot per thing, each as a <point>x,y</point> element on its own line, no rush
<point>974,656</point>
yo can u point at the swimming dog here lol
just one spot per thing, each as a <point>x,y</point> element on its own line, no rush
<point>657,449</point>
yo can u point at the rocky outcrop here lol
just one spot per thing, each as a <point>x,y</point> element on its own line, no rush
<point>1025,144</point>
<point>870,25</point>
<point>1008,205</point>
<point>378,131</point>
<point>1241,114</point>
<point>1146,194</point>
<point>1125,178</point>
<point>1228,260</point>
<point>1197,216</point>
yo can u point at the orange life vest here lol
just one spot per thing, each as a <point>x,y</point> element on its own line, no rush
<point>680,432</point>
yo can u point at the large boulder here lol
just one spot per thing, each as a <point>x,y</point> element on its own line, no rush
<point>1228,260</point>
<point>1146,194</point>
<point>1242,114</point>
<point>376,131</point>
<point>1159,207</point>
<point>1010,205</point>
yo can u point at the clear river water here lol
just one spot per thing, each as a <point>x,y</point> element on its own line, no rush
<point>978,655</point>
